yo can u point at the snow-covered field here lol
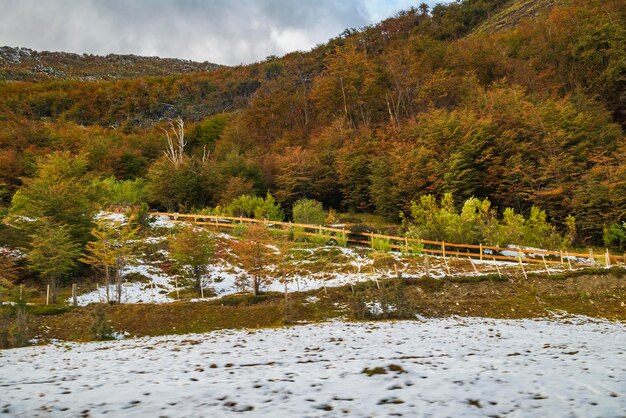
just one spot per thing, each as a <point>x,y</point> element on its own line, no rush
<point>445,367</point>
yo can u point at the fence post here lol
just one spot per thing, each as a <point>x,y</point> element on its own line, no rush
<point>443,249</point>
<point>47,294</point>
<point>445,264</point>
<point>472,263</point>
<point>74,299</point>
<point>481,251</point>
<point>497,267</point>
<point>569,261</point>
<point>375,278</point>
<point>545,264</point>
<point>591,258</point>
<point>608,258</point>
<point>519,258</point>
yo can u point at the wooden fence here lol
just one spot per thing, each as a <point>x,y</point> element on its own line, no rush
<point>442,248</point>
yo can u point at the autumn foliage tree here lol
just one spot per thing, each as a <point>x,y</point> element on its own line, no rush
<point>112,248</point>
<point>255,255</point>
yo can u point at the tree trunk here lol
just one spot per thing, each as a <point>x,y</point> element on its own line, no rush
<point>198,275</point>
<point>107,281</point>
<point>255,285</point>
<point>118,286</point>
<point>53,289</point>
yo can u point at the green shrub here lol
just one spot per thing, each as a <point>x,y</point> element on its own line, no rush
<point>615,236</point>
<point>100,328</point>
<point>297,234</point>
<point>121,192</point>
<point>380,244</point>
<point>308,211</point>
<point>320,237</point>
<point>248,206</point>
<point>415,247</point>
<point>240,229</point>
<point>478,222</point>
<point>342,239</point>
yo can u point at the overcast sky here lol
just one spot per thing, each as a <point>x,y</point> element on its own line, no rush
<point>221,31</point>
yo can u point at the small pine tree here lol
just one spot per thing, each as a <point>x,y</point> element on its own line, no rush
<point>192,250</point>
<point>53,254</point>
<point>100,328</point>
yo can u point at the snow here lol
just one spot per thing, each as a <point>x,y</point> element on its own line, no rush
<point>155,290</point>
<point>162,221</point>
<point>112,217</point>
<point>435,367</point>
<point>312,272</point>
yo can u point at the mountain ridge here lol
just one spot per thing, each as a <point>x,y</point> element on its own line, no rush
<point>25,64</point>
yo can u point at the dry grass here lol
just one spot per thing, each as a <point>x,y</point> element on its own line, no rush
<point>595,293</point>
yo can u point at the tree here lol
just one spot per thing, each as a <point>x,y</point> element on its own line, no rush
<point>254,255</point>
<point>53,254</point>
<point>8,266</point>
<point>60,192</point>
<point>113,247</point>
<point>235,186</point>
<point>294,179</point>
<point>192,249</point>
<point>353,168</point>
<point>308,211</point>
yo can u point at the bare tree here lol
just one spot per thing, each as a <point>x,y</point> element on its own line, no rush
<point>176,142</point>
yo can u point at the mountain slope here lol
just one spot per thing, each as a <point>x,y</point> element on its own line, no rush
<point>524,110</point>
<point>23,64</point>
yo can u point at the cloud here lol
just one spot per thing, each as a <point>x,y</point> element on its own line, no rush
<point>221,31</point>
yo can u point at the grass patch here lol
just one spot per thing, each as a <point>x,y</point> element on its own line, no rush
<point>248,299</point>
<point>45,310</point>
<point>383,260</point>
<point>429,284</point>
<point>477,279</point>
<point>374,371</point>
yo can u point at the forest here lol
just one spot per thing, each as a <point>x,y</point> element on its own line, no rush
<point>433,103</point>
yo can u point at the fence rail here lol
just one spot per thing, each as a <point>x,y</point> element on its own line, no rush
<point>563,257</point>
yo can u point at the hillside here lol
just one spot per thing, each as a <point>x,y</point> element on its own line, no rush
<point>425,216</point>
<point>513,101</point>
<point>23,64</point>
